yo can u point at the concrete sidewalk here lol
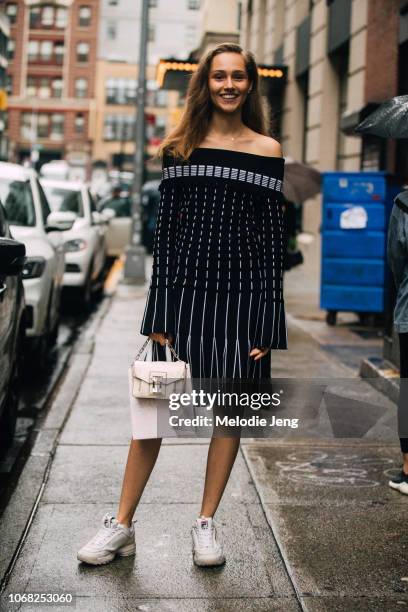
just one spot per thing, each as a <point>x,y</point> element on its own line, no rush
<point>85,480</point>
<point>306,523</point>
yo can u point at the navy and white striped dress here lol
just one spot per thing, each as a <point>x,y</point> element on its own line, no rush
<point>217,278</point>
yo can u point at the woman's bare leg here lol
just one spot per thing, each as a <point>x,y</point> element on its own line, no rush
<point>140,463</point>
<point>221,456</point>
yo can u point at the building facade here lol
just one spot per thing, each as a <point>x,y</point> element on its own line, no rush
<point>174,31</point>
<point>4,37</point>
<point>52,58</point>
<point>344,57</point>
<point>114,117</point>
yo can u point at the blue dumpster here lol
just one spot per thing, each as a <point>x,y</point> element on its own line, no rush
<point>356,209</point>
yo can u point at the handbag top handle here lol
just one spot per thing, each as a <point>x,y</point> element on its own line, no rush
<point>150,340</point>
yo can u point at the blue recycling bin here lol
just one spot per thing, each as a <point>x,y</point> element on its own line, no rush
<point>354,273</point>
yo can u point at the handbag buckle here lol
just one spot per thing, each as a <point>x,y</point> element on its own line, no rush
<point>156,380</point>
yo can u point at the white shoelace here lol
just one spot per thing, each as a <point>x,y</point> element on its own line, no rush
<point>103,535</point>
<point>205,536</point>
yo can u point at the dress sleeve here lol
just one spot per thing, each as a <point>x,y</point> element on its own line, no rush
<point>159,314</point>
<point>270,226</point>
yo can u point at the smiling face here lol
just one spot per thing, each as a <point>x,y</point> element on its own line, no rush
<point>228,82</point>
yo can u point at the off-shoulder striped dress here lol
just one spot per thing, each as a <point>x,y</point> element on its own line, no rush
<point>217,278</point>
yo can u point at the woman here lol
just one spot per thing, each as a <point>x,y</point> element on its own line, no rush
<point>216,287</point>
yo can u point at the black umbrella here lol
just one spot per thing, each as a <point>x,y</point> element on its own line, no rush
<point>300,181</point>
<point>390,120</point>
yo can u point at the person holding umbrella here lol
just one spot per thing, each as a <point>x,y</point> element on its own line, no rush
<point>390,120</point>
<point>398,261</point>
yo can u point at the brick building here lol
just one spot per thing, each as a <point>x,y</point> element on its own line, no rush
<point>4,37</point>
<point>344,57</point>
<point>52,58</point>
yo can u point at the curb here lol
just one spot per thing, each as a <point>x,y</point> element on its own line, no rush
<point>382,376</point>
<point>21,509</point>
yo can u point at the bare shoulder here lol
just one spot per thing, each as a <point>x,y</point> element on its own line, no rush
<point>268,146</point>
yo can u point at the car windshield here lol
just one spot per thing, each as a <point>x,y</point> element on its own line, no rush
<point>121,206</point>
<point>63,199</point>
<point>17,199</point>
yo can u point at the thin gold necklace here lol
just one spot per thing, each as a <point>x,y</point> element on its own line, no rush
<point>230,137</point>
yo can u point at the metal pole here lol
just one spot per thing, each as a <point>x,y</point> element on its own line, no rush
<point>134,271</point>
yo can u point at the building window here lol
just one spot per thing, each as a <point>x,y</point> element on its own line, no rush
<point>57,126</point>
<point>11,12</point>
<point>33,49</point>
<point>35,17</point>
<point>59,50</point>
<point>43,125</point>
<point>47,16</point>
<point>120,91</point>
<point>26,124</point>
<point>191,35</point>
<point>11,46</point>
<point>61,18</point>
<point>119,127</point>
<point>43,87</point>
<point>79,123</point>
<point>56,88</point>
<point>9,84</point>
<point>111,30</point>
<point>31,87</point>
<point>193,5</point>
<point>46,50</point>
<point>81,88</point>
<point>84,16</point>
<point>160,126</point>
<point>161,98</point>
<point>82,52</point>
<point>151,33</point>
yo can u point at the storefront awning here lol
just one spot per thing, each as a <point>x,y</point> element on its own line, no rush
<point>174,74</point>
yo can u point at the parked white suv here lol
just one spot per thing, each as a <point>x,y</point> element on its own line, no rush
<point>32,223</point>
<point>85,242</point>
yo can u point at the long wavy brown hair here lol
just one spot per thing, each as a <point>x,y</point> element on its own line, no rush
<point>195,120</point>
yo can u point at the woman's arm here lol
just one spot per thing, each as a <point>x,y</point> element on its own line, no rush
<point>159,315</point>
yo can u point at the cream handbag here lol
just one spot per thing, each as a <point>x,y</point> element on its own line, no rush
<point>158,379</point>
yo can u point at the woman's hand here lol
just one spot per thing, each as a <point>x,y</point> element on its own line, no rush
<point>259,353</point>
<point>161,338</point>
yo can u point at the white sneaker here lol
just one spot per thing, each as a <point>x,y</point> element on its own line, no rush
<point>111,540</point>
<point>206,550</point>
<point>400,482</point>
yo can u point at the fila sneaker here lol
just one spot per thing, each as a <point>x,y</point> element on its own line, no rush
<point>112,539</point>
<point>400,483</point>
<point>206,550</point>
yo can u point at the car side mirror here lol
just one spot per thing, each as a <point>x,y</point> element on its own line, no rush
<point>96,218</point>
<point>12,257</point>
<point>107,214</point>
<point>60,221</point>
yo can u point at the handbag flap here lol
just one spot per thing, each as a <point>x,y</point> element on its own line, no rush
<point>171,371</point>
